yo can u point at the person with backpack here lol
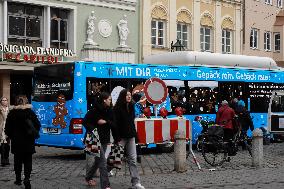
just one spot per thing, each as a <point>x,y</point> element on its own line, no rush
<point>22,127</point>
<point>244,119</point>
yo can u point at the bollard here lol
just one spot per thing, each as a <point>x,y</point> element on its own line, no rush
<point>257,148</point>
<point>180,151</point>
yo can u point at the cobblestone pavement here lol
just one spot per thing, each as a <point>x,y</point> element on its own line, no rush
<point>59,168</point>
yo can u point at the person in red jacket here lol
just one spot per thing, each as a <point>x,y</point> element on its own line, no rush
<point>224,117</point>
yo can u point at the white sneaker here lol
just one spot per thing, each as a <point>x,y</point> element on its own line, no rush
<point>110,174</point>
<point>138,186</point>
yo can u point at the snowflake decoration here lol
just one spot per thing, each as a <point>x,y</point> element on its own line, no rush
<point>80,100</point>
<point>78,74</point>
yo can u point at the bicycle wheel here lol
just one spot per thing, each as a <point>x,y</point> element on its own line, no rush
<point>214,153</point>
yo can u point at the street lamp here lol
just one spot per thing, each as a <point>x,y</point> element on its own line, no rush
<point>177,46</point>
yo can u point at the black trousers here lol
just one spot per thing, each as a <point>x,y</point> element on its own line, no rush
<point>5,150</point>
<point>25,159</point>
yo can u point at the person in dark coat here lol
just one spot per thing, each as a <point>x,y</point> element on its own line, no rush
<point>124,116</point>
<point>101,117</point>
<point>244,119</point>
<point>18,129</point>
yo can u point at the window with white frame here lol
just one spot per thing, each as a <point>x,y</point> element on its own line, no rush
<point>158,33</point>
<point>254,38</point>
<point>267,41</point>
<point>205,38</point>
<point>25,25</point>
<point>277,41</point>
<point>59,28</point>
<point>268,2</point>
<point>279,3</point>
<point>226,41</point>
<point>183,32</point>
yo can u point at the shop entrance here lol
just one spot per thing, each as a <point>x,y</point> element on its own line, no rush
<point>21,84</point>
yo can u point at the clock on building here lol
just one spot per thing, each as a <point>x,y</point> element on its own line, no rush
<point>105,28</point>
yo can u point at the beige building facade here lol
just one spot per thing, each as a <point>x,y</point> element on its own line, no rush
<point>263,29</point>
<point>200,25</point>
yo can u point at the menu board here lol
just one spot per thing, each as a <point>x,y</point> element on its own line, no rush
<point>263,89</point>
<point>51,88</point>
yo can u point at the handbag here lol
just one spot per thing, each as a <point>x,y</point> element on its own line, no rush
<point>115,156</point>
<point>31,130</point>
<point>92,143</point>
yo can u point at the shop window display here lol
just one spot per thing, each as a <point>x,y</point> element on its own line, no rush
<point>59,28</point>
<point>24,24</point>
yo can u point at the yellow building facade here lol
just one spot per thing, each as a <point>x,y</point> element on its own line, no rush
<point>200,25</point>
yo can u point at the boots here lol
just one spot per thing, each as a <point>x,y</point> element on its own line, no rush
<point>27,184</point>
<point>18,180</point>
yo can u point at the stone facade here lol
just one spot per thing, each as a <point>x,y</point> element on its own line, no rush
<point>102,29</point>
<point>194,15</point>
<point>264,18</point>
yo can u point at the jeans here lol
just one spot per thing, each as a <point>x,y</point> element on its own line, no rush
<point>101,163</point>
<point>25,159</point>
<point>131,155</point>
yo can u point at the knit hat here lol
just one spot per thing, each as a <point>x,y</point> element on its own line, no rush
<point>241,103</point>
<point>224,102</point>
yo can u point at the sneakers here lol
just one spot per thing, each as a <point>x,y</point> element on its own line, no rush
<point>138,186</point>
<point>110,174</point>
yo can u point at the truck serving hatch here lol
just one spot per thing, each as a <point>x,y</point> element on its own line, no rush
<point>276,113</point>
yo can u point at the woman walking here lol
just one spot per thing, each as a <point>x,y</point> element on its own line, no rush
<point>5,141</point>
<point>21,127</point>
<point>101,117</point>
<point>124,115</point>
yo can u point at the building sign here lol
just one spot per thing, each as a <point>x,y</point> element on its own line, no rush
<point>183,73</point>
<point>29,54</point>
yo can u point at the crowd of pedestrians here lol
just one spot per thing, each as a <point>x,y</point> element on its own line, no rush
<point>19,126</point>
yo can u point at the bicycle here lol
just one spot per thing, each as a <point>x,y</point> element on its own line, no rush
<point>216,151</point>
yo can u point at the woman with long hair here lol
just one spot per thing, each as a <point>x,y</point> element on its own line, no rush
<point>4,140</point>
<point>101,117</point>
<point>124,115</point>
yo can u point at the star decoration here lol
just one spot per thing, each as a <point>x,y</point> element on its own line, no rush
<point>110,71</point>
<point>78,74</point>
<point>80,100</point>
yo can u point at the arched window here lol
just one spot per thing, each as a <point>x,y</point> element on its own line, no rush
<point>184,20</point>
<point>158,26</point>
<point>206,32</point>
<point>227,35</point>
